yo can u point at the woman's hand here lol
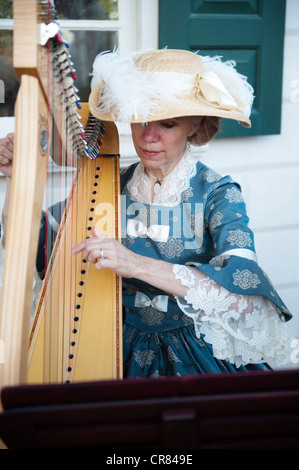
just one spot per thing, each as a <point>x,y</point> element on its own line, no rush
<point>6,154</point>
<point>105,252</point>
<point>6,158</point>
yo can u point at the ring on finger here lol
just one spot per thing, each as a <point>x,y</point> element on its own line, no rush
<point>102,254</point>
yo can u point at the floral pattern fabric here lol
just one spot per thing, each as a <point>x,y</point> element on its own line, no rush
<point>208,229</point>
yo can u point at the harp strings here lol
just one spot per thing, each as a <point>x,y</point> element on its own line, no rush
<point>66,144</point>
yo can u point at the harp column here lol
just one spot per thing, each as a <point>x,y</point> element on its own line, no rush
<point>28,180</point>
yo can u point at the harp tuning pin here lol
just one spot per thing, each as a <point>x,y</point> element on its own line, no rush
<point>61,39</point>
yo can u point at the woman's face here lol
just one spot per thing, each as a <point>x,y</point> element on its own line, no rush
<point>161,144</point>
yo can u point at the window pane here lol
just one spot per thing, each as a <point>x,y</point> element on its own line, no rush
<point>74,10</point>
<point>8,79</point>
<point>87,9</point>
<point>6,8</point>
<point>84,47</point>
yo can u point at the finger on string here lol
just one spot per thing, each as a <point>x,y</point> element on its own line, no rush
<point>84,245</point>
<point>7,146</point>
<point>99,264</point>
<point>102,264</point>
<point>4,160</point>
<point>78,248</point>
<point>11,137</point>
<point>95,233</point>
<point>5,154</point>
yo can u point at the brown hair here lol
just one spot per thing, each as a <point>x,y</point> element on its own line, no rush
<point>207,127</point>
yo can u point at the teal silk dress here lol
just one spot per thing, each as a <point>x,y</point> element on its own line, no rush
<point>198,221</point>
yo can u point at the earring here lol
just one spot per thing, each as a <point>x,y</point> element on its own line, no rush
<point>188,145</point>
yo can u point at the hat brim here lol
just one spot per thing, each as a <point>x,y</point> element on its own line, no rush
<point>190,106</point>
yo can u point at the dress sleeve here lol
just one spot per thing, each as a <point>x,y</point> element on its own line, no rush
<point>229,297</point>
<point>242,329</point>
<point>233,263</point>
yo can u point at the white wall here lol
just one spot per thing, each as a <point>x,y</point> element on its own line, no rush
<point>267,167</point>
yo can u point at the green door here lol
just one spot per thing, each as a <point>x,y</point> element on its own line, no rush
<point>249,32</point>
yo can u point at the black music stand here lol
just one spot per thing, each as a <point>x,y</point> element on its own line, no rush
<point>255,410</point>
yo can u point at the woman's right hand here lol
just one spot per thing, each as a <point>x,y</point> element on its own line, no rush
<point>6,154</point>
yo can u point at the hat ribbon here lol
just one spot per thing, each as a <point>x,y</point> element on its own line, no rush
<point>159,233</point>
<point>160,302</point>
<point>210,89</point>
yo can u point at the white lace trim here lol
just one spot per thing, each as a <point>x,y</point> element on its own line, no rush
<point>242,329</point>
<point>139,187</point>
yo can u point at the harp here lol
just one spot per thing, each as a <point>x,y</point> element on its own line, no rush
<point>77,337</point>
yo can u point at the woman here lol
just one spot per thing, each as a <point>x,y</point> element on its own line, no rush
<point>195,299</point>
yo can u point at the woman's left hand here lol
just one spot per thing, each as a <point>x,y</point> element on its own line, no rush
<point>6,154</point>
<point>105,252</point>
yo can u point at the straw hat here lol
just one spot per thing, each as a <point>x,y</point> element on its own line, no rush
<point>152,85</point>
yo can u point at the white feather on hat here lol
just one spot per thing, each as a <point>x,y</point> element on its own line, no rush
<point>236,84</point>
<point>156,84</point>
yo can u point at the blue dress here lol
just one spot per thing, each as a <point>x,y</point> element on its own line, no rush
<point>210,220</point>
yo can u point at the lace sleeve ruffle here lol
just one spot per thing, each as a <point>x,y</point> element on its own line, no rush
<point>242,329</point>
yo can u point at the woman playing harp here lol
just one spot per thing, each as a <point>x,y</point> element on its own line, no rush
<point>195,298</point>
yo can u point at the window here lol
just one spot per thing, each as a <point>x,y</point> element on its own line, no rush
<point>8,77</point>
<point>251,32</point>
<point>89,26</point>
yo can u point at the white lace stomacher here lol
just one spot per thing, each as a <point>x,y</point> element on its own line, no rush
<point>242,329</point>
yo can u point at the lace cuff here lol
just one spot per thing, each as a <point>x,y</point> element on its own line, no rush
<point>242,329</point>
